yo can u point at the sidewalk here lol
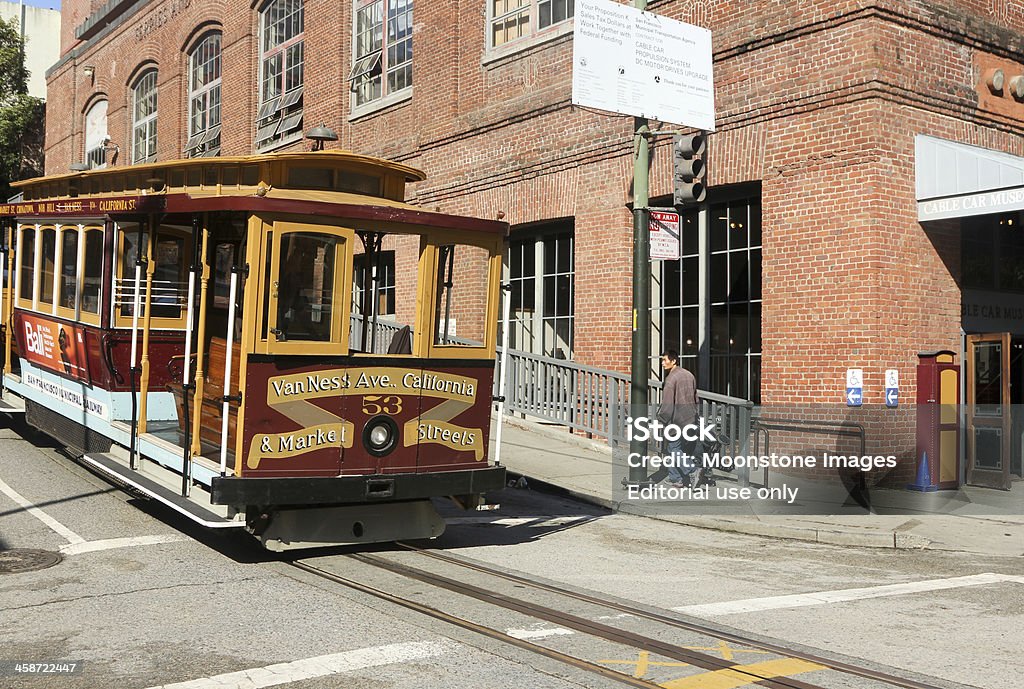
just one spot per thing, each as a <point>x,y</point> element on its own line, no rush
<point>548,455</point>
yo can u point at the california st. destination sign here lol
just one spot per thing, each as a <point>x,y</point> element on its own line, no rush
<point>90,206</point>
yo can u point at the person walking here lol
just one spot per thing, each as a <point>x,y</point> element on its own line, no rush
<point>679,408</point>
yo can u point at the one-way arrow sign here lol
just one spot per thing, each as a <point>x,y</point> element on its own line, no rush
<point>854,396</point>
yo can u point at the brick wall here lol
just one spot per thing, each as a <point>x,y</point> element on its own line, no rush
<point>818,100</point>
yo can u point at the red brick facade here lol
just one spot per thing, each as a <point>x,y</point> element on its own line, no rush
<point>818,100</point>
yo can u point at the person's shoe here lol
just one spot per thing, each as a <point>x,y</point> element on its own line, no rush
<point>695,478</point>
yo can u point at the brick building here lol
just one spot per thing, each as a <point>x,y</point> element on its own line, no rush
<point>814,254</point>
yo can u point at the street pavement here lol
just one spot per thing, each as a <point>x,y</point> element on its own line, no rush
<point>547,455</point>
<point>148,600</point>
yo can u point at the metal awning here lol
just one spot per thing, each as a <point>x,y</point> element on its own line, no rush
<point>958,180</point>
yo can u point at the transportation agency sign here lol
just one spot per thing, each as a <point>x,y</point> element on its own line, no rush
<point>59,347</point>
<point>664,235</point>
<point>67,395</point>
<point>642,64</point>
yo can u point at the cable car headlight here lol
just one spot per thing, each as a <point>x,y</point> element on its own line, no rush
<point>380,436</point>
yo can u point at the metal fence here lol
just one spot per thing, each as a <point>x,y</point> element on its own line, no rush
<point>596,401</point>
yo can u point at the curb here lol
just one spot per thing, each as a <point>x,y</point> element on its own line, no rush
<point>552,431</point>
<point>864,539</point>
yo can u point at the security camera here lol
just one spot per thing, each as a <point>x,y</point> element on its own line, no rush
<point>106,140</point>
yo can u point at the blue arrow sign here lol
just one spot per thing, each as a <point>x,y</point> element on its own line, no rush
<point>892,397</point>
<point>854,397</point>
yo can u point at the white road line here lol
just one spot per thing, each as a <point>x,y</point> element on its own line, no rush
<point>112,543</point>
<point>538,633</point>
<point>516,521</point>
<point>63,531</point>
<point>320,666</point>
<point>842,595</point>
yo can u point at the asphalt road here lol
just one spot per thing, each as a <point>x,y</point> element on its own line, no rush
<point>144,599</point>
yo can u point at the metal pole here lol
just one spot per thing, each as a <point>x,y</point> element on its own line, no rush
<point>186,384</point>
<point>640,364</point>
<point>136,304</point>
<point>226,403</point>
<point>507,294</point>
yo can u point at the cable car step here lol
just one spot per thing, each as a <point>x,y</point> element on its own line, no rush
<point>12,405</point>
<point>148,481</point>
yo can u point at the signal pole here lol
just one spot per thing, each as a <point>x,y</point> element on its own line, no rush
<point>640,363</point>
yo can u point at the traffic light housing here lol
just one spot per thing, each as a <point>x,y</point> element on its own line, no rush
<point>688,169</point>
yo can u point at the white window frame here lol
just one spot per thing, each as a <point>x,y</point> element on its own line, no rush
<point>533,32</point>
<point>280,114</point>
<point>145,87</point>
<point>204,141</point>
<point>382,67</point>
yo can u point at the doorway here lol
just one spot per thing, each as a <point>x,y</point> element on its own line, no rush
<point>995,390</point>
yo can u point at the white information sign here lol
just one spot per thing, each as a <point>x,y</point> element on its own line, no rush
<point>642,64</point>
<point>664,235</point>
<point>854,387</point>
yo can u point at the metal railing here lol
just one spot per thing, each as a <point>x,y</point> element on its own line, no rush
<point>595,401</point>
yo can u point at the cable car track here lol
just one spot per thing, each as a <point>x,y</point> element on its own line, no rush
<point>848,668</point>
<point>589,627</point>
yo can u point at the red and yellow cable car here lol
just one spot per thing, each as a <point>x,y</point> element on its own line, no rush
<point>278,341</point>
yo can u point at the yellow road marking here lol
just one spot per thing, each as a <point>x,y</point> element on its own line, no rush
<point>743,675</point>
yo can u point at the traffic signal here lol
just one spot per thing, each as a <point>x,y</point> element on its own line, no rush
<point>688,168</point>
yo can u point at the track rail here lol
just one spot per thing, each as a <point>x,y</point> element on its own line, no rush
<point>839,666</point>
<point>588,627</point>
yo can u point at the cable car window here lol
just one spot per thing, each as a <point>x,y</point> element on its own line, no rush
<point>68,268</point>
<point>131,239</point>
<point>171,253</point>
<point>460,304</point>
<point>169,275</point>
<point>48,237</point>
<point>92,271</point>
<point>305,302</point>
<point>26,271</point>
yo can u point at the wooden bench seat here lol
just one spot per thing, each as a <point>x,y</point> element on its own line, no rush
<point>212,417</point>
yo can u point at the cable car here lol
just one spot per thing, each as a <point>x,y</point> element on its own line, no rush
<point>272,342</point>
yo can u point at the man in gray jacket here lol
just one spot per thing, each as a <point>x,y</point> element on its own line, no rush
<point>679,407</point>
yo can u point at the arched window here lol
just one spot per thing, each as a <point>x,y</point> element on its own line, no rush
<point>204,98</point>
<point>279,119</point>
<point>96,134</point>
<point>144,118</point>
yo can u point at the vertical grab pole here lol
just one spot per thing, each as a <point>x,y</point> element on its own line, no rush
<point>146,323</point>
<point>448,293</point>
<point>136,303</point>
<point>204,279</point>
<point>507,295</point>
<point>226,408</point>
<point>186,386</point>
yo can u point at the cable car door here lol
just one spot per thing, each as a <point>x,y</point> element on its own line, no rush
<point>295,417</point>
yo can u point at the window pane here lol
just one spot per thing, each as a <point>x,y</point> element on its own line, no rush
<point>306,289</point>
<point>718,233</point>
<point>671,290</point>
<point>28,262</point>
<point>738,277</point>
<point>719,277</point>
<point>129,252</point>
<point>691,334</point>
<point>691,281</point>
<point>49,254</point>
<point>92,271</point>
<point>68,269</point>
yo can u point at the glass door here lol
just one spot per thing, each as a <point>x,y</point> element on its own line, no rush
<point>989,412</point>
